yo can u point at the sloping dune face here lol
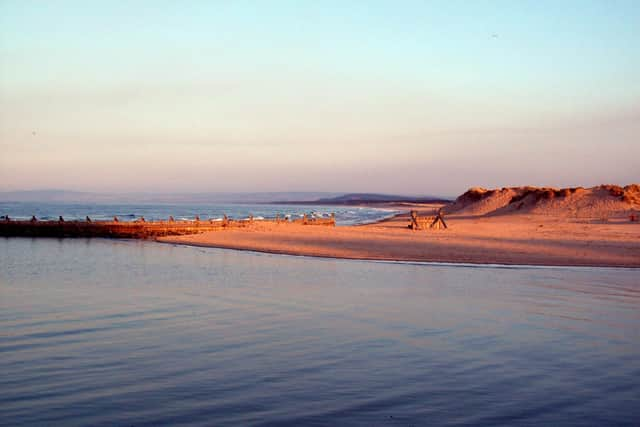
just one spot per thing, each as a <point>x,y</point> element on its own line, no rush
<point>480,201</point>
<point>600,201</point>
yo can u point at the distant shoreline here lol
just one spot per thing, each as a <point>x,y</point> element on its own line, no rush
<point>367,203</point>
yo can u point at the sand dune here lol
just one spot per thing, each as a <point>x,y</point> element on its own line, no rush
<point>604,201</point>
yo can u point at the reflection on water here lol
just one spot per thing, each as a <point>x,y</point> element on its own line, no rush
<point>100,332</point>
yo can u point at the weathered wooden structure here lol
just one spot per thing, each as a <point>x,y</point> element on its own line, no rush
<point>435,222</point>
<point>305,220</point>
<point>138,229</point>
<point>116,229</point>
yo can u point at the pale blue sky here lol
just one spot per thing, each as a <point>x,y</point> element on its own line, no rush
<point>403,97</point>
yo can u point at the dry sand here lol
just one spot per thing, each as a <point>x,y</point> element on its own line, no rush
<point>504,239</point>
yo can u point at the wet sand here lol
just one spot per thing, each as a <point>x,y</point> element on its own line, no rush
<point>511,239</point>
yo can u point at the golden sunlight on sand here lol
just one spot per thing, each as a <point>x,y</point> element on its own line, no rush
<point>507,239</point>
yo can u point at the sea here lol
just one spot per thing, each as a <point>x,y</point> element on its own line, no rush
<point>345,215</point>
<point>99,332</point>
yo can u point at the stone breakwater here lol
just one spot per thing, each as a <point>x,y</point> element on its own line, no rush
<point>139,229</point>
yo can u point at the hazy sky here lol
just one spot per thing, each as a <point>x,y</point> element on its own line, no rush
<point>399,96</point>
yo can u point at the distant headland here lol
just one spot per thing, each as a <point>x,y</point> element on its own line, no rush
<point>355,199</point>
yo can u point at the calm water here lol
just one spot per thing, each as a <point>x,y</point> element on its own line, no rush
<point>103,333</point>
<point>345,215</point>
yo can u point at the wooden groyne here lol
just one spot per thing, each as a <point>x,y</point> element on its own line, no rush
<point>139,229</point>
<point>305,220</point>
<point>417,222</point>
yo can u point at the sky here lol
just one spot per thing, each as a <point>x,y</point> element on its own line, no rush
<point>404,97</point>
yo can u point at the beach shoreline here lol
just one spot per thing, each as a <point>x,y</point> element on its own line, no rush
<point>503,240</point>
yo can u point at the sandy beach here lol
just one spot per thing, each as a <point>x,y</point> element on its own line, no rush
<point>506,239</point>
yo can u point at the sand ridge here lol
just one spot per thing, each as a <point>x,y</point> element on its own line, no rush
<point>505,239</point>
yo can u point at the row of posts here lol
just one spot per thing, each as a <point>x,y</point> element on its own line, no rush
<point>225,219</point>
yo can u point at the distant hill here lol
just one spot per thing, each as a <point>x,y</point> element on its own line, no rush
<point>369,199</point>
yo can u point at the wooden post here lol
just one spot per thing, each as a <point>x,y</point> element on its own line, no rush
<point>414,221</point>
<point>439,218</point>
